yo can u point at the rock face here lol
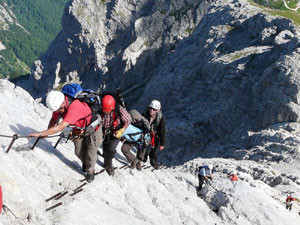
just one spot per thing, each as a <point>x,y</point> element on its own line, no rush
<point>7,17</point>
<point>220,68</point>
<point>115,43</point>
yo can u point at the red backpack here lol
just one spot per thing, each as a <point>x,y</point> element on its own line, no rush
<point>290,199</point>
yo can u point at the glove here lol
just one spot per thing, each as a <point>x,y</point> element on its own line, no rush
<point>119,133</point>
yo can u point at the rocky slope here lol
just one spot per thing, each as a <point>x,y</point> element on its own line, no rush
<point>167,196</point>
<point>222,69</point>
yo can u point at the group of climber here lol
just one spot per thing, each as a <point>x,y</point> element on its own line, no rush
<point>205,175</point>
<point>89,131</point>
<point>157,128</point>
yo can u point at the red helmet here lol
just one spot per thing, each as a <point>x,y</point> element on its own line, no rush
<point>108,103</point>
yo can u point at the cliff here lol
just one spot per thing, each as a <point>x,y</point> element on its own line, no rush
<point>220,68</point>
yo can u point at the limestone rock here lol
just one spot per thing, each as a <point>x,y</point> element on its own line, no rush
<point>219,68</point>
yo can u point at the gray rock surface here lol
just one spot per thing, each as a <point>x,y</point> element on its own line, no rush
<point>220,68</point>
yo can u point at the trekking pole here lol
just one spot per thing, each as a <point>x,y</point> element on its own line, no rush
<point>35,143</point>
<point>15,137</point>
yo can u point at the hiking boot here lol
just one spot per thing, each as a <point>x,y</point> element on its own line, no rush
<point>139,166</point>
<point>83,168</point>
<point>111,171</point>
<point>145,158</point>
<point>90,177</point>
<point>155,166</point>
<point>132,165</point>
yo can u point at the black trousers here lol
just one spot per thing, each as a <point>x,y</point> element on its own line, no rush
<point>110,144</point>
<point>152,154</point>
<point>201,181</point>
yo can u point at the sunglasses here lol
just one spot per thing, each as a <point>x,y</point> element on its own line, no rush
<point>153,109</point>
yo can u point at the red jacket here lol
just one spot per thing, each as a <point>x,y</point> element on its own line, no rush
<point>290,199</point>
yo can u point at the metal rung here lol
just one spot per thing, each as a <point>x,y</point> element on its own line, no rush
<point>54,206</point>
<point>62,195</point>
<point>122,167</point>
<point>54,196</point>
<point>80,186</point>
<point>76,192</point>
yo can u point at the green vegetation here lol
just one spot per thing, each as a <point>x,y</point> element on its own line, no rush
<point>190,30</point>
<point>277,8</point>
<point>239,55</point>
<point>120,14</point>
<point>229,28</point>
<point>271,4</point>
<point>292,3</point>
<point>295,17</point>
<point>147,44</point>
<point>59,87</point>
<point>41,20</point>
<point>277,4</point>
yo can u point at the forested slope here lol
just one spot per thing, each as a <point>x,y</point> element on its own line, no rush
<point>33,25</point>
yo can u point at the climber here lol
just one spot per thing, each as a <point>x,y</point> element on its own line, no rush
<point>115,120</point>
<point>289,202</point>
<point>136,135</point>
<point>157,129</point>
<point>204,175</point>
<point>77,114</point>
<point>232,176</point>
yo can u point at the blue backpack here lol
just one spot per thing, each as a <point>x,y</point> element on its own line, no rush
<point>136,135</point>
<point>201,167</point>
<point>75,91</point>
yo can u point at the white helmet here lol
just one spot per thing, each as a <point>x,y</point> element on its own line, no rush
<point>54,100</point>
<point>210,166</point>
<point>155,104</point>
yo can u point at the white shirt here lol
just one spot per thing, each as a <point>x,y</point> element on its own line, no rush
<point>205,172</point>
